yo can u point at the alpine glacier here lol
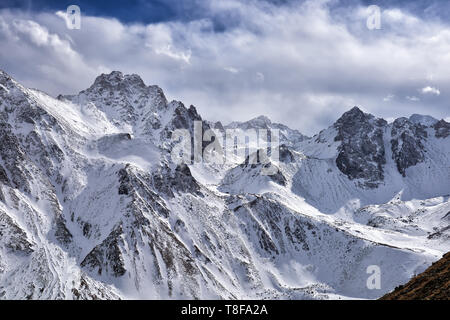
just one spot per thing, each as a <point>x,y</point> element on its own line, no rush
<point>93,207</point>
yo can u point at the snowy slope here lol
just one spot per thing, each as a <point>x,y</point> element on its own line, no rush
<point>92,205</point>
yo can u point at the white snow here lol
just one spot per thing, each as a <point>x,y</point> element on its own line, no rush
<point>242,235</point>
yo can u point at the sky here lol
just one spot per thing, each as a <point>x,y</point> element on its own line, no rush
<point>299,62</point>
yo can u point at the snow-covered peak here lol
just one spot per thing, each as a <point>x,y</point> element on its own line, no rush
<point>125,99</point>
<point>354,117</point>
<point>4,76</point>
<point>425,120</point>
<point>118,85</point>
<point>7,83</point>
<point>93,207</point>
<point>289,137</point>
<point>117,80</point>
<point>260,122</point>
<point>407,143</point>
<point>442,128</point>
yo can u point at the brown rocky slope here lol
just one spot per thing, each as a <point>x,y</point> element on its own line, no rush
<point>432,284</point>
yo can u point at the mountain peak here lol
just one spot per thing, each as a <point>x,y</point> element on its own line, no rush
<point>354,112</point>
<point>3,73</point>
<point>117,78</point>
<point>123,96</point>
<point>423,119</point>
<point>355,109</point>
<point>355,117</point>
<point>114,76</point>
<point>361,153</point>
<point>261,119</point>
<point>102,192</point>
<point>4,76</point>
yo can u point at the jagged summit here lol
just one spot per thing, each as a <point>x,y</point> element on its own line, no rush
<point>423,119</point>
<point>125,99</point>
<point>354,117</point>
<point>4,75</point>
<point>288,136</point>
<point>361,152</point>
<point>355,110</point>
<point>262,119</point>
<point>442,128</point>
<point>260,122</point>
<point>117,78</point>
<point>6,81</point>
<point>112,76</point>
<point>116,85</point>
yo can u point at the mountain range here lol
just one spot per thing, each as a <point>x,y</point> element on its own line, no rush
<point>92,206</point>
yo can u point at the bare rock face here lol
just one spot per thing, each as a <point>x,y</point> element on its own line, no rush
<point>107,256</point>
<point>14,155</point>
<point>361,153</point>
<point>13,237</point>
<point>286,154</point>
<point>407,143</point>
<point>169,182</point>
<point>121,93</point>
<point>442,128</point>
<point>125,100</point>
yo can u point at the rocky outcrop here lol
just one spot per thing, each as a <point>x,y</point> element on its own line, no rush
<point>407,144</point>
<point>442,129</point>
<point>12,236</point>
<point>107,256</point>
<point>361,152</point>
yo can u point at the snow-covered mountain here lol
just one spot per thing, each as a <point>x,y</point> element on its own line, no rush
<point>432,284</point>
<point>92,205</point>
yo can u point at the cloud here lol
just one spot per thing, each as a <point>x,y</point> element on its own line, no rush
<point>412,98</point>
<point>299,63</point>
<point>168,51</point>
<point>431,90</point>
<point>231,69</point>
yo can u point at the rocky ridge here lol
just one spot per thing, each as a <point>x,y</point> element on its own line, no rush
<point>92,206</point>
